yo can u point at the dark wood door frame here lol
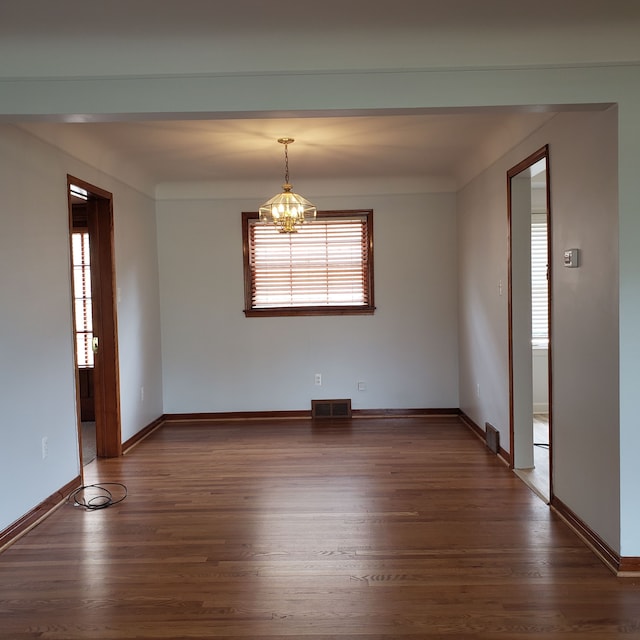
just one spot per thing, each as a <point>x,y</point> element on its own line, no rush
<point>542,153</point>
<point>105,326</point>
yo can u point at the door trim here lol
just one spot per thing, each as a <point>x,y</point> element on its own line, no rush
<point>542,153</point>
<point>106,368</point>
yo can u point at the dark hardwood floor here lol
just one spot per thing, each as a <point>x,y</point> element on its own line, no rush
<point>372,529</point>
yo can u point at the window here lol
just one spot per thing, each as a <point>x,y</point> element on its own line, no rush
<point>539,281</point>
<point>326,268</point>
<point>82,297</point>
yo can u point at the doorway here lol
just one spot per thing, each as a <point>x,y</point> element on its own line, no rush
<point>529,321</point>
<point>94,318</point>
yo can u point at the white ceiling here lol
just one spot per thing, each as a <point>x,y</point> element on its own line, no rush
<point>443,146</point>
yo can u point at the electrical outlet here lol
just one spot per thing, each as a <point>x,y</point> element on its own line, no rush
<point>362,386</point>
<point>318,379</point>
<point>141,394</point>
<point>478,389</point>
<point>45,447</point>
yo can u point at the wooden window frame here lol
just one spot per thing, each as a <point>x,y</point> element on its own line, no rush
<point>324,310</point>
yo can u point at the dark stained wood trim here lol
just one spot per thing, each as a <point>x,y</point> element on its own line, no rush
<point>106,376</point>
<point>402,413</point>
<point>30,519</point>
<point>510,314</point>
<point>536,156</point>
<point>333,310</point>
<point>303,414</point>
<point>309,311</point>
<point>550,272</point>
<point>481,434</point>
<point>610,558</point>
<point>629,567</point>
<point>87,186</point>
<point>477,430</point>
<point>246,216</point>
<point>136,438</point>
<point>99,208</point>
<point>171,418</point>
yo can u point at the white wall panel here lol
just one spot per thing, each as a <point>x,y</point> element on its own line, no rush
<point>37,381</point>
<point>215,359</point>
<point>583,165</point>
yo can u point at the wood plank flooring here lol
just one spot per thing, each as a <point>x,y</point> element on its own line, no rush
<point>366,529</point>
<point>538,478</point>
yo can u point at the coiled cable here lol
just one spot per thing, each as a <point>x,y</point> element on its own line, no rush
<point>103,498</point>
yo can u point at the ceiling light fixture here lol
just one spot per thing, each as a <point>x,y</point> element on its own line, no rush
<point>287,210</point>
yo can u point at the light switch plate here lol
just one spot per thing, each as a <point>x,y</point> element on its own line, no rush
<point>571,257</point>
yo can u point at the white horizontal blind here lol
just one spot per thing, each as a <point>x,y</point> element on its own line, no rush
<point>82,297</point>
<point>323,264</point>
<point>539,281</point>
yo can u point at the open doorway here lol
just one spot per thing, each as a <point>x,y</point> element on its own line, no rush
<point>95,325</point>
<point>529,305</point>
<point>83,320</point>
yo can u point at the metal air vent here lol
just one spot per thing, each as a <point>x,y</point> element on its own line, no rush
<point>492,436</point>
<point>331,408</point>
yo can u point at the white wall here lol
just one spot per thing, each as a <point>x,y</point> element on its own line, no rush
<point>138,308</point>
<point>585,393</point>
<point>138,302</point>
<point>540,380</point>
<point>215,359</point>
<point>583,165</point>
<point>629,297</point>
<point>37,381</point>
<point>246,36</point>
<point>483,301</point>
<point>36,374</point>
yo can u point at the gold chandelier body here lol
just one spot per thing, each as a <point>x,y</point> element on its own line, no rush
<point>287,210</point>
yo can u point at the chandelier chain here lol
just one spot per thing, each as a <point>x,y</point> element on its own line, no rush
<point>286,164</point>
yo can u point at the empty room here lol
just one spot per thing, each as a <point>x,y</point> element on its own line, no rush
<point>402,407</point>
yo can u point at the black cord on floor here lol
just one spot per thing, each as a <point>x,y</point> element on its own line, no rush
<point>102,500</point>
<point>544,445</point>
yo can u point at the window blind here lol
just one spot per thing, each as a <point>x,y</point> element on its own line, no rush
<point>82,297</point>
<point>539,280</point>
<point>324,264</point>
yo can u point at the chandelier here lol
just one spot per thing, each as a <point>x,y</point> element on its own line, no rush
<point>287,210</point>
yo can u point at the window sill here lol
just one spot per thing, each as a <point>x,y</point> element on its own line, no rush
<point>308,311</point>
